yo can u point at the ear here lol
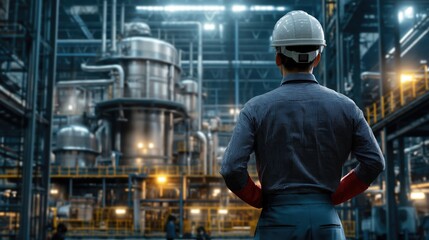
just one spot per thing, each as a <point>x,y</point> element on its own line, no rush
<point>278,59</point>
<point>317,60</point>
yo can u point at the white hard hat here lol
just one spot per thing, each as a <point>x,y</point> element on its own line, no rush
<point>298,28</point>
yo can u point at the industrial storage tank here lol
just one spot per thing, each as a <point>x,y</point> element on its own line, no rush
<point>143,110</point>
<point>76,146</point>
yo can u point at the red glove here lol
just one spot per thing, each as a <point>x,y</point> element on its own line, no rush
<point>349,187</point>
<point>251,194</point>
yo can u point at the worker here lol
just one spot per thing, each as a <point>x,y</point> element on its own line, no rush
<point>301,134</point>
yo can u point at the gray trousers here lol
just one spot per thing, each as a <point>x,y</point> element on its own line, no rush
<point>299,216</point>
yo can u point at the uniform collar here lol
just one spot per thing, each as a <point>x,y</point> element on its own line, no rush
<point>299,76</point>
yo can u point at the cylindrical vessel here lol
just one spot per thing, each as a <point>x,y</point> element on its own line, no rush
<point>71,100</point>
<point>190,100</point>
<point>151,68</point>
<point>141,114</point>
<point>76,146</point>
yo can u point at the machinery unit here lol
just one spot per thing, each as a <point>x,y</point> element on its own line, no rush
<point>133,131</point>
<point>76,147</point>
<point>142,110</point>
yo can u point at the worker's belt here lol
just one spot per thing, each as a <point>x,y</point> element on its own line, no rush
<point>296,199</point>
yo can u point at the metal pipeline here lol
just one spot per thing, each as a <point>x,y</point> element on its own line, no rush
<point>191,56</point>
<point>202,137</point>
<point>122,23</point>
<point>86,82</point>
<point>105,68</point>
<point>104,29</point>
<point>113,26</point>
<point>370,75</point>
<point>210,151</point>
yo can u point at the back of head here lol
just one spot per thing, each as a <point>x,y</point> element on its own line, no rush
<point>298,37</point>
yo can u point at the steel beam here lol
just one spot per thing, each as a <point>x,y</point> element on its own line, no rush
<point>53,7</point>
<point>26,222</point>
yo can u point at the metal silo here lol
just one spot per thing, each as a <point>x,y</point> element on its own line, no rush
<point>143,107</point>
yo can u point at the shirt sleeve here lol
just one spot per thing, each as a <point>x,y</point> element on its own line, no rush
<point>237,153</point>
<point>366,150</point>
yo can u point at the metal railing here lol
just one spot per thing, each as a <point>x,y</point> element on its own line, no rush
<point>122,171</point>
<point>219,221</point>
<point>409,89</point>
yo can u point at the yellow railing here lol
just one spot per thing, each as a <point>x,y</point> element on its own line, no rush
<point>125,171</point>
<point>349,228</point>
<point>219,221</point>
<point>102,220</point>
<point>409,89</point>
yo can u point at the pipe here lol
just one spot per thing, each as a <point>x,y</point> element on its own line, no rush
<point>104,29</point>
<point>236,66</point>
<point>191,62</point>
<point>202,137</point>
<point>105,68</point>
<point>199,62</point>
<point>113,26</point>
<point>86,82</point>
<point>122,23</point>
<point>210,152</point>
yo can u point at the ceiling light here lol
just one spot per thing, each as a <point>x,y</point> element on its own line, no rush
<point>209,26</point>
<point>120,211</point>
<point>409,12</point>
<point>417,195</point>
<point>262,8</point>
<point>195,211</point>
<point>222,211</point>
<point>406,78</point>
<point>239,8</point>
<point>183,8</point>
<point>161,179</point>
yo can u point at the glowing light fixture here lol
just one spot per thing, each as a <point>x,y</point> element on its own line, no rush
<point>140,145</point>
<point>54,191</point>
<point>262,8</point>
<point>238,8</point>
<point>409,12</point>
<point>195,211</point>
<point>406,78</point>
<point>182,8</point>
<point>233,111</point>
<point>70,107</point>
<point>209,26</point>
<point>216,192</point>
<point>120,211</point>
<point>223,211</point>
<point>400,16</point>
<point>151,145</point>
<point>161,179</point>
<point>417,195</point>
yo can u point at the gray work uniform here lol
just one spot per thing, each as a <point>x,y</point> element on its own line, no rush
<point>301,134</point>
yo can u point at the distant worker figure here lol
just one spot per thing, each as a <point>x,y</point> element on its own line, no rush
<point>301,134</point>
<point>202,234</point>
<point>61,232</point>
<point>170,227</point>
